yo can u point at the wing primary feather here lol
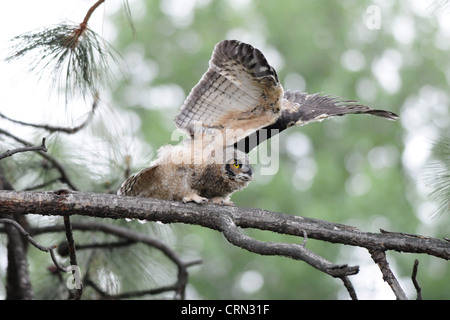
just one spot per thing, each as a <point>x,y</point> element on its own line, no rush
<point>240,90</point>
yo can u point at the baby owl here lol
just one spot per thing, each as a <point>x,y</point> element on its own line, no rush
<point>238,103</point>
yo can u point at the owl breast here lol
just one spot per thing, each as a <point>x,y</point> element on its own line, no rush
<point>211,182</point>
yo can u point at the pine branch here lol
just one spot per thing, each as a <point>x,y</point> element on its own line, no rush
<point>75,56</point>
<point>437,176</point>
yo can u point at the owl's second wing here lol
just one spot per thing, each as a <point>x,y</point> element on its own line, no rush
<point>240,91</point>
<point>300,108</point>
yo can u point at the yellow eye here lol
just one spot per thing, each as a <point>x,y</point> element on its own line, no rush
<point>236,165</point>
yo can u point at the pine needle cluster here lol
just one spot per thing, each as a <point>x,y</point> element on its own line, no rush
<point>76,57</point>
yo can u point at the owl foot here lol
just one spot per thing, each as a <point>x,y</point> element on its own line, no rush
<point>221,201</point>
<point>195,198</point>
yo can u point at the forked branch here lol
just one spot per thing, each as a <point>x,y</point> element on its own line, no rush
<point>227,220</point>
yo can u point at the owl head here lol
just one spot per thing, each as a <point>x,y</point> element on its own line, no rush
<point>237,166</point>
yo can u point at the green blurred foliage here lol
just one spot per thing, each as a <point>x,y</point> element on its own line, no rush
<point>352,168</point>
<point>355,170</point>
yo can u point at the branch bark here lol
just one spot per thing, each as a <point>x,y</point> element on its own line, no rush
<point>65,202</point>
<point>228,220</point>
<point>9,153</point>
<point>132,237</point>
<point>56,164</point>
<point>380,259</point>
<point>18,282</point>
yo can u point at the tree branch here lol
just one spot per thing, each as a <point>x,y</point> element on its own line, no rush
<point>131,236</point>
<point>51,129</point>
<point>66,202</point>
<point>56,164</point>
<point>9,153</point>
<point>293,251</point>
<point>72,253</point>
<point>380,258</point>
<point>33,242</point>
<point>227,220</point>
<point>414,280</point>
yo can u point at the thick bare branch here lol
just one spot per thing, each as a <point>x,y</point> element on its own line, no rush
<point>65,202</point>
<point>294,251</point>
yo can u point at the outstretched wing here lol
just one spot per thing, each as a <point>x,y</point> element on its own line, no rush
<point>301,108</point>
<point>240,91</point>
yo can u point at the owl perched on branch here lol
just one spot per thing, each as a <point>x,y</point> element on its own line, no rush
<point>238,103</point>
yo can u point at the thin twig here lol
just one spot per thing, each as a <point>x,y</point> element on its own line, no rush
<point>63,250</point>
<point>25,234</point>
<point>72,252</point>
<point>43,185</point>
<point>72,41</point>
<point>56,164</point>
<point>134,237</point>
<point>380,258</point>
<point>34,243</point>
<point>51,129</point>
<point>9,153</point>
<point>91,10</point>
<point>414,280</point>
<point>350,289</point>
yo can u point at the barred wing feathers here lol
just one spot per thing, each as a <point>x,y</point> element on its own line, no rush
<point>240,90</point>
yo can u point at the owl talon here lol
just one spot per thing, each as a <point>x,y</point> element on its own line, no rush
<point>227,203</point>
<point>221,202</point>
<point>195,198</point>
